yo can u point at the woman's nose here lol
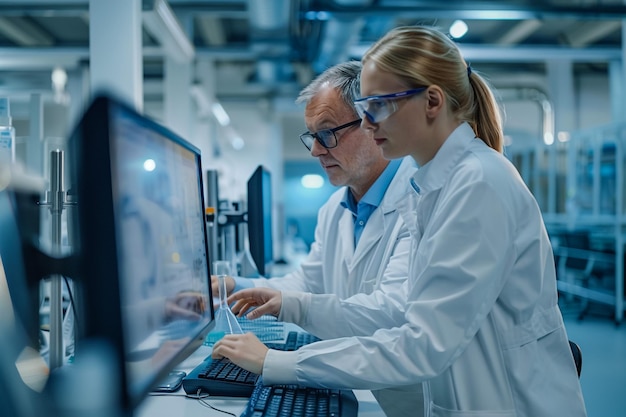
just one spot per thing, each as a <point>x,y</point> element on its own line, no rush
<point>367,125</point>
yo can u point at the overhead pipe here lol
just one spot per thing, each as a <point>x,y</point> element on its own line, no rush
<point>539,97</point>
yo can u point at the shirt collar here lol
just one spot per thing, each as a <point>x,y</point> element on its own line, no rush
<point>374,195</point>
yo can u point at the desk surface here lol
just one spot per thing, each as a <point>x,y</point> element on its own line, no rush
<point>177,405</point>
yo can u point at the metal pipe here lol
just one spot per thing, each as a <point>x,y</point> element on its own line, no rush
<point>56,200</point>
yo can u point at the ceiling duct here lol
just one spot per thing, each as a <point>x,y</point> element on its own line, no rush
<point>269,36</point>
<point>24,33</point>
<point>338,36</point>
<point>340,33</point>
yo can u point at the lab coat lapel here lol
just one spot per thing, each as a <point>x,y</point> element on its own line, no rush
<point>370,237</point>
<point>346,228</point>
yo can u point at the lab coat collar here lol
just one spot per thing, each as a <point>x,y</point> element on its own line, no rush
<point>435,173</point>
<point>381,218</point>
<point>398,189</point>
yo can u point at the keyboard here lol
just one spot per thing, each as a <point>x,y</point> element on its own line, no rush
<point>266,328</point>
<point>296,401</point>
<point>221,377</point>
<point>294,341</point>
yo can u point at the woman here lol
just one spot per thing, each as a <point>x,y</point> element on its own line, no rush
<point>482,326</point>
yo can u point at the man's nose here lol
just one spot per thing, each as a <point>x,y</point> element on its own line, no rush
<point>317,149</point>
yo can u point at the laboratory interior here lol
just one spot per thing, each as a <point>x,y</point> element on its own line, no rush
<point>203,93</point>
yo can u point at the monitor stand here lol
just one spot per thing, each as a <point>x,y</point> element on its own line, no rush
<point>245,265</point>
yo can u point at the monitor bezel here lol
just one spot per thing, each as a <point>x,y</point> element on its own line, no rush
<point>98,257</point>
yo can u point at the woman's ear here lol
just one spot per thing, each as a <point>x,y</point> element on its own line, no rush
<point>436,100</point>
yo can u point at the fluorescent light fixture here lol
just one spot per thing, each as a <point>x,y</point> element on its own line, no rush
<point>312,181</point>
<point>163,25</point>
<point>220,114</point>
<point>458,29</point>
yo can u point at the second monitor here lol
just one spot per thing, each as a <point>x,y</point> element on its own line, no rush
<point>260,219</point>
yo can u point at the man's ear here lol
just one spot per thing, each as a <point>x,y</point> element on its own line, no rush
<point>435,99</point>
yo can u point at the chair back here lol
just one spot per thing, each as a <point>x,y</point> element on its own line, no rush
<point>578,356</point>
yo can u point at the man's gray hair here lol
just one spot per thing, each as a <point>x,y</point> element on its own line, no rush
<point>345,77</point>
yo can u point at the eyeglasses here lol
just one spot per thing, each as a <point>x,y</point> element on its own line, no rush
<point>325,137</point>
<point>378,108</point>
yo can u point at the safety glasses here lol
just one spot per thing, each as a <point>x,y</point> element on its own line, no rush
<point>325,137</point>
<point>378,108</point>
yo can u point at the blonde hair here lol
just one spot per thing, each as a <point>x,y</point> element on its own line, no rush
<point>424,56</point>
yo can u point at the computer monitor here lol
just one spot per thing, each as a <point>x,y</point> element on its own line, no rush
<point>22,292</point>
<point>260,219</point>
<point>143,259</point>
<point>20,373</point>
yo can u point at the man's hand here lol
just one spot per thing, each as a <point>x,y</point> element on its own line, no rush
<point>266,301</point>
<point>245,350</point>
<point>230,285</point>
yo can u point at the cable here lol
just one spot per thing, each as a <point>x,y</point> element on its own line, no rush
<point>197,396</point>
<point>206,404</point>
<point>72,303</point>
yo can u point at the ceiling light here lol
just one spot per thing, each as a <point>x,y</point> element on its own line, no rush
<point>220,114</point>
<point>563,136</point>
<point>458,29</point>
<point>59,78</point>
<point>548,138</point>
<point>163,25</point>
<point>237,142</point>
<point>149,165</point>
<point>59,81</point>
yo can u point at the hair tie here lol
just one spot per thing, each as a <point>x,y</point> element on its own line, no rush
<point>469,71</point>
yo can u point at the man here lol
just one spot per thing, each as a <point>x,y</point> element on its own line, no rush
<point>361,245</point>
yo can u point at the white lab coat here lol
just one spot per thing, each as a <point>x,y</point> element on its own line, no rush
<point>379,263</point>
<point>482,327</point>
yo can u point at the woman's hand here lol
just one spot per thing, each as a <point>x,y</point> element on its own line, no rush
<point>263,300</point>
<point>186,305</point>
<point>245,350</point>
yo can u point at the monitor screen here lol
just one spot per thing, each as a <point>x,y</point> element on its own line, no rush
<point>143,247</point>
<point>260,219</point>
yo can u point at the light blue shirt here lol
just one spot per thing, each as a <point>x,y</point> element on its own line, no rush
<point>362,211</point>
